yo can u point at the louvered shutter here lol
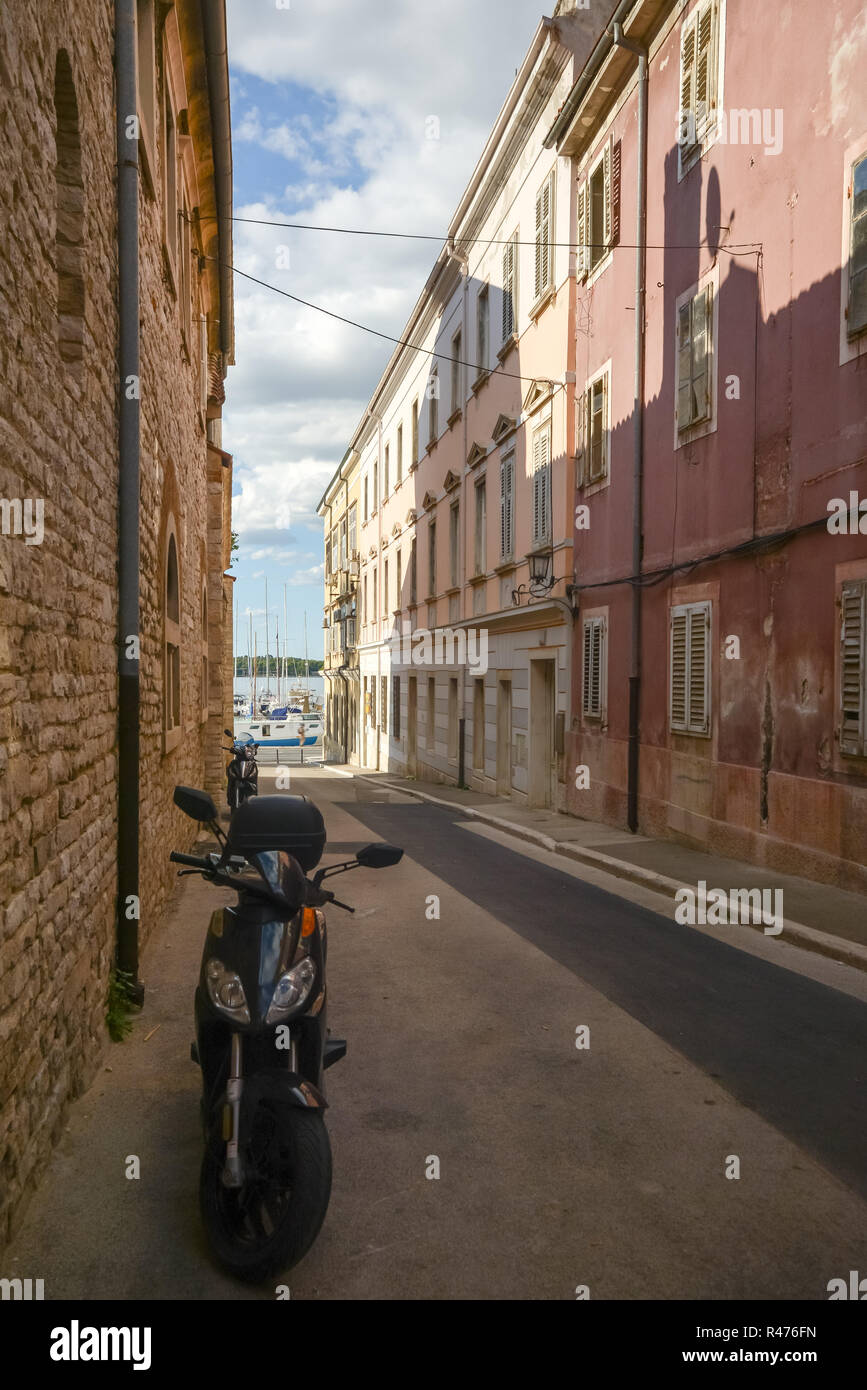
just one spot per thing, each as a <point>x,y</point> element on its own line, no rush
<point>615,194</point>
<point>506,503</point>
<point>508,289</point>
<point>678,669</point>
<point>543,238</point>
<point>510,504</point>
<point>606,186</point>
<point>853,659</point>
<point>588,663</point>
<point>687,87</point>
<point>583,258</point>
<point>699,354</point>
<point>684,366</point>
<point>704,70</point>
<point>596,688</point>
<point>699,672</point>
<point>604,427</point>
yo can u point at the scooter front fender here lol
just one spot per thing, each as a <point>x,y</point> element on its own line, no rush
<point>283,1088</point>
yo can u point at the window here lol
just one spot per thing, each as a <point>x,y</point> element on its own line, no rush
<point>343,556</point>
<point>544,272</point>
<point>146,71</point>
<point>430,732</point>
<point>327,555</point>
<point>364,495</point>
<point>433,391</point>
<point>694,348</point>
<point>542,485</point>
<point>203,364</point>
<point>170,177</point>
<point>432,559</point>
<point>599,210</point>
<point>399,478</point>
<point>510,287</point>
<point>171,642</point>
<point>593,683</point>
<point>374,610</point>
<point>353,530</point>
<point>481,527</point>
<point>364,602</point>
<point>398,581</point>
<point>699,79</point>
<point>185,273</point>
<point>454,543</point>
<point>413,573</point>
<point>383,703</point>
<point>856,313</point>
<point>204,641</point>
<point>479,725</point>
<point>373,702</point>
<point>453,719</point>
<point>414,438</point>
<point>507,506</point>
<point>689,673</point>
<point>69,222</point>
<point>597,435</point>
<point>457,374</point>
<point>385,471</point>
<point>482,320</point>
<point>395,706</point>
<point>385,590</point>
<point>853,668</point>
<point>375,484</point>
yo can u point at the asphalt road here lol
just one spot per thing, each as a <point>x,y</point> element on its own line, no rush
<point>460,984</point>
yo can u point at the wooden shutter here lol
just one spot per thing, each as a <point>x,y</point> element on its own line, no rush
<point>506,473</point>
<point>853,659</point>
<point>541,482</point>
<point>588,661</point>
<point>593,672</point>
<point>508,289</point>
<point>543,237</point>
<point>856,311</point>
<point>583,258</point>
<point>688,133</point>
<point>684,366</point>
<point>678,670</point>
<point>615,194</point>
<point>705,75</point>
<point>699,668</point>
<point>606,186</point>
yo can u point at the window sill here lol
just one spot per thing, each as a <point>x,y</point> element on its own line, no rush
<point>431,445</point>
<point>480,381</point>
<point>511,342</point>
<point>506,566</point>
<point>548,296</point>
<point>478,578</point>
<point>695,431</point>
<point>171,739</point>
<point>454,417</point>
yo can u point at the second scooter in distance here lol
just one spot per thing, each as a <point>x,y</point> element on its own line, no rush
<point>242,773</point>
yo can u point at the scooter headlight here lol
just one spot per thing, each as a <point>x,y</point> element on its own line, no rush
<point>226,991</point>
<point>291,989</point>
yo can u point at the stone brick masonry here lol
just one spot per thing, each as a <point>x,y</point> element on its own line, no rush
<point>58,600</point>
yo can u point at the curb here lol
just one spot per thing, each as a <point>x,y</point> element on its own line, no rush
<point>795,933</point>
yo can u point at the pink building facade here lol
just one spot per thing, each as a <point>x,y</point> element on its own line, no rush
<point>720,356</point>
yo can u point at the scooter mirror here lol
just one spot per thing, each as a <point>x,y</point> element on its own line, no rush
<point>195,804</point>
<point>228,733</point>
<point>379,856</point>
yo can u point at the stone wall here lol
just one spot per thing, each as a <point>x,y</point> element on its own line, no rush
<point>58,599</point>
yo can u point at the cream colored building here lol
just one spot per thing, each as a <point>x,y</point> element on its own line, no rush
<point>340,512</point>
<point>466,456</point>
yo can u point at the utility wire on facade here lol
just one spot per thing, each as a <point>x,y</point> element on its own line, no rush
<point>741,248</point>
<point>400,342</point>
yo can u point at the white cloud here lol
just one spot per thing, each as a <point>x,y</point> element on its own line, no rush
<point>302,379</point>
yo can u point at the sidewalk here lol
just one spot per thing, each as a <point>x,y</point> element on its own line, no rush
<point>817,917</point>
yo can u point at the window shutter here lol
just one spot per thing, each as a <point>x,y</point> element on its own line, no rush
<point>539,282</point>
<point>583,257</point>
<point>853,659</point>
<point>677,674</point>
<point>615,194</point>
<point>588,660</point>
<point>687,86</point>
<point>856,313</point>
<point>684,366</point>
<point>604,427</point>
<point>699,652</point>
<point>592,675</point>
<point>508,289</point>
<point>503,550</point>
<point>606,186</point>
<point>705,75</point>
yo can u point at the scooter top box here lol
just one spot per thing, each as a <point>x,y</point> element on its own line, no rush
<point>290,823</point>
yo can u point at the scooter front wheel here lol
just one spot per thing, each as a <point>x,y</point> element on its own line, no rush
<point>268,1225</point>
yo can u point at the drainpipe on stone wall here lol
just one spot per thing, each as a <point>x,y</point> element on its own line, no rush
<point>129,404</point>
<point>638,425</point>
<point>463,261</point>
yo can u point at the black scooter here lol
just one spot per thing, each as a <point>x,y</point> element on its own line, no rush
<point>261,1036</point>
<point>242,773</point>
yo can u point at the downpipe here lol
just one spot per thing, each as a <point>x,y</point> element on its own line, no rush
<point>634,744</point>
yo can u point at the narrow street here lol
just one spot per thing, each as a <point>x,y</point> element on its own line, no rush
<point>602,1166</point>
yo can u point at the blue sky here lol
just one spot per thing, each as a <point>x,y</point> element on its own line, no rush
<point>330,108</point>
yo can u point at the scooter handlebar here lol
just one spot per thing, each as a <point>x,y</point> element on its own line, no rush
<point>192,859</point>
